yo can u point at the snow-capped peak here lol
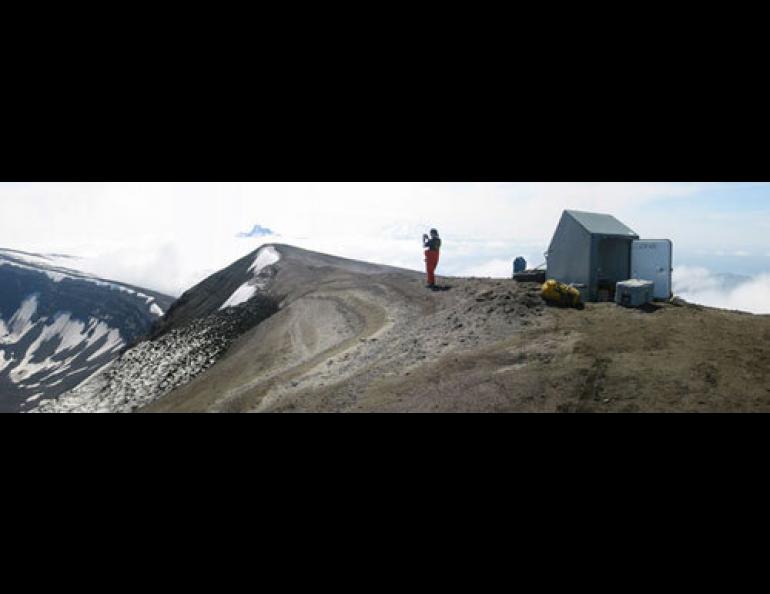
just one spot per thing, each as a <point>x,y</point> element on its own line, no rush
<point>257,231</point>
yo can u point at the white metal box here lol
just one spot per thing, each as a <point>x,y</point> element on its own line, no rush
<point>634,292</point>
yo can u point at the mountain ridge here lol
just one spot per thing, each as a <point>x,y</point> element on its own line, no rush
<point>341,335</point>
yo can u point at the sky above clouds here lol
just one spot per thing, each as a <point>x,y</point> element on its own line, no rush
<point>169,236</point>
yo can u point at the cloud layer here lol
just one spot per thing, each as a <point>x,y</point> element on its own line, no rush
<point>726,291</point>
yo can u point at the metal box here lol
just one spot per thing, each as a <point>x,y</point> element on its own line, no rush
<point>634,292</point>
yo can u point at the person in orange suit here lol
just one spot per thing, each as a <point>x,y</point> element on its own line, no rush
<point>433,245</point>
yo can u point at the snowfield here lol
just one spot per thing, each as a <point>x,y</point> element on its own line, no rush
<point>20,323</point>
<point>241,295</point>
<point>67,333</point>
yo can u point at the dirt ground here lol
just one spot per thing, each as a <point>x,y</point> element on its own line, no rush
<point>358,338</point>
<point>603,359</point>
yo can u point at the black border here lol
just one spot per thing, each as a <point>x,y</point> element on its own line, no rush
<point>455,137</point>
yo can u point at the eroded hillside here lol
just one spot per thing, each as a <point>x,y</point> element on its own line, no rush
<point>348,336</point>
<point>355,337</point>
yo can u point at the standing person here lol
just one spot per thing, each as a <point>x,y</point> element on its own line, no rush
<point>433,245</point>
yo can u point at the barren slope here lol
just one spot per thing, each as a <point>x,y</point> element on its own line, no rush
<point>352,336</point>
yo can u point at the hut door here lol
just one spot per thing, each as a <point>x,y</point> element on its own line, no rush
<point>651,260</point>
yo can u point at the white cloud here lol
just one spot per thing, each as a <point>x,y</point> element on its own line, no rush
<point>168,236</point>
<point>726,291</point>
<point>493,268</point>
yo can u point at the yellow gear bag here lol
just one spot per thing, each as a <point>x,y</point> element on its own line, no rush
<point>560,294</point>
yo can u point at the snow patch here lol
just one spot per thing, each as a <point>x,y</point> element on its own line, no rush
<point>114,341</point>
<point>267,256</point>
<point>54,274</point>
<point>38,259</point>
<point>65,365</point>
<point>5,362</point>
<point>56,277</point>
<point>241,295</point>
<point>111,286</point>
<point>20,323</point>
<point>68,330</point>
<point>156,310</point>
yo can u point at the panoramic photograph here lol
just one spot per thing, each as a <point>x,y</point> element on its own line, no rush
<point>384,297</point>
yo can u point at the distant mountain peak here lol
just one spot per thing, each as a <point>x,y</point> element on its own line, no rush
<point>257,231</point>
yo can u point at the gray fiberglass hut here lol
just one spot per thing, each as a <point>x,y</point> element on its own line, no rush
<point>591,250</point>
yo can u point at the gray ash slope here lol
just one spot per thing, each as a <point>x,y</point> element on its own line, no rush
<point>59,325</point>
<point>195,332</point>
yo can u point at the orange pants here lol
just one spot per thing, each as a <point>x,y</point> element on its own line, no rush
<point>431,262</point>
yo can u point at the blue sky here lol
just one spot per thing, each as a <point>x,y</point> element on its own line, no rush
<point>168,236</point>
<point>725,227</point>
